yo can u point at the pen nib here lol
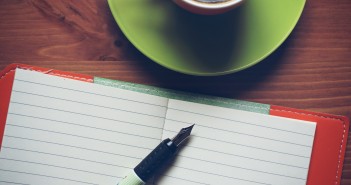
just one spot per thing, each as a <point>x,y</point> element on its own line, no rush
<point>182,135</point>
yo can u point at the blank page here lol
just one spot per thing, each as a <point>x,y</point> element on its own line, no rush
<point>236,147</point>
<point>64,131</point>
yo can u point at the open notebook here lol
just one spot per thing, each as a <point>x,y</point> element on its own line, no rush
<point>66,131</point>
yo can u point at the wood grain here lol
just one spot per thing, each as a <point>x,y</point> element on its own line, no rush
<point>311,70</point>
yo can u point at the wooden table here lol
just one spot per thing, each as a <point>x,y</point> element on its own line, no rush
<point>311,70</point>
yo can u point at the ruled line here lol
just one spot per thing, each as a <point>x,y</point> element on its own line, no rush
<point>256,159</point>
<point>219,175</point>
<point>239,145</point>
<point>250,135</point>
<point>8,182</point>
<point>259,171</point>
<point>41,175</point>
<point>84,103</point>
<point>64,156</point>
<point>99,117</point>
<point>67,168</point>
<point>241,122</point>
<point>85,92</point>
<point>139,147</point>
<point>183,179</point>
<point>72,146</point>
<point>80,125</point>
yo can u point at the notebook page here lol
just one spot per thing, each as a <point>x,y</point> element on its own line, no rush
<point>63,131</point>
<point>236,147</point>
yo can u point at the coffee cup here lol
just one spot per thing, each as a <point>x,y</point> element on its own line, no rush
<point>208,7</point>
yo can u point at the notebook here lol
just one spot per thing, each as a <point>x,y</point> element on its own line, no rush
<point>63,128</point>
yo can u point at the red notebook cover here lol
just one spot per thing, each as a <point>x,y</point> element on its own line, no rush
<point>328,148</point>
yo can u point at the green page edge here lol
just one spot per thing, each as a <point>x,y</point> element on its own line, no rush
<point>186,96</point>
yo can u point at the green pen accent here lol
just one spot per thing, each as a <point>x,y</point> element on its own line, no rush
<point>131,179</point>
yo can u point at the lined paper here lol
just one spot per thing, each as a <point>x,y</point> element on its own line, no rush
<point>63,131</point>
<point>236,147</point>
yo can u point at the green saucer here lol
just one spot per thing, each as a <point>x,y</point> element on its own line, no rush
<point>206,45</point>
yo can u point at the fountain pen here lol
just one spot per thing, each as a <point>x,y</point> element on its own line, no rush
<point>156,159</point>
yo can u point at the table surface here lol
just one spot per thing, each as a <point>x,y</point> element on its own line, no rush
<point>311,70</point>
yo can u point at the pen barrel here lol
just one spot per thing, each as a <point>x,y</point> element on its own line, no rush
<point>155,160</point>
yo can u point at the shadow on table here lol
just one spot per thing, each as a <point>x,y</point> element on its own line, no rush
<point>231,85</point>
